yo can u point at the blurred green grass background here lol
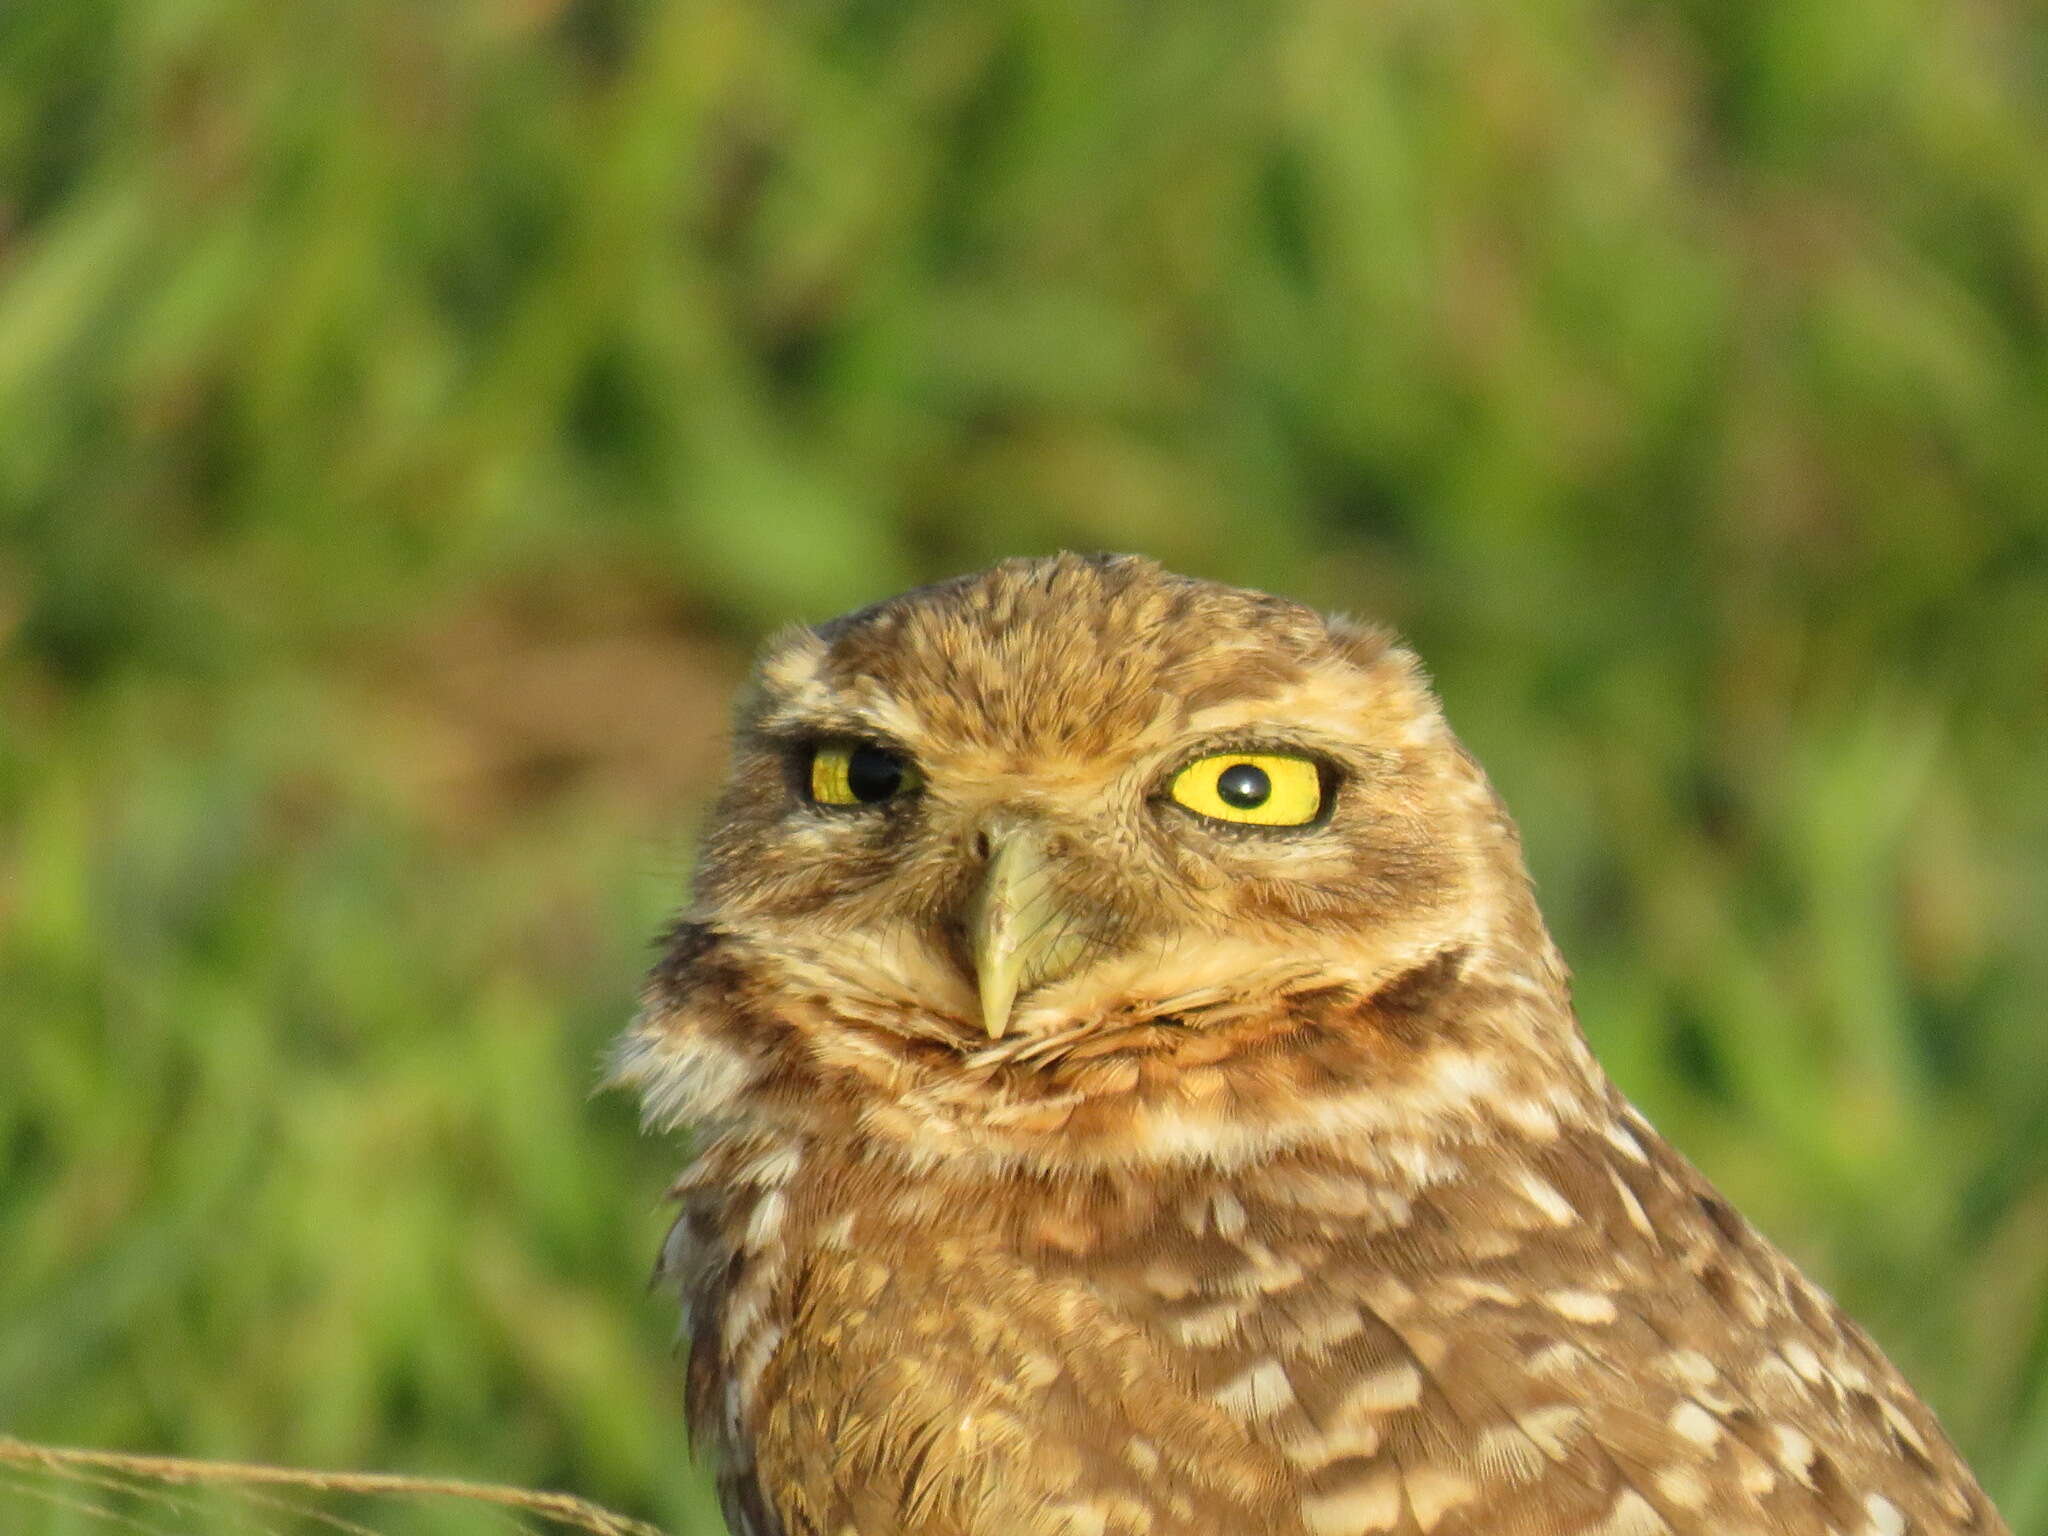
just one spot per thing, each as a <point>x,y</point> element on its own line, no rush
<point>410,415</point>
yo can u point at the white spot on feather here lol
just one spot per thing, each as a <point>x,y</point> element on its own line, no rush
<point>1696,1424</point>
<point>1795,1453</point>
<point>1342,1442</point>
<point>1209,1326</point>
<point>1540,1193</point>
<point>1623,1140</point>
<point>1631,1206</point>
<point>1886,1518</point>
<point>1332,1326</point>
<point>1903,1428</point>
<point>1228,1213</point>
<point>1580,1306</point>
<point>1433,1492</point>
<point>1551,1429</point>
<point>1559,1359</point>
<point>1633,1515</point>
<point>1373,1505</point>
<point>1506,1453</point>
<point>765,1224</point>
<point>1800,1356</point>
<point>1690,1365</point>
<point>1258,1393</point>
<point>1683,1487</point>
<point>1398,1386</point>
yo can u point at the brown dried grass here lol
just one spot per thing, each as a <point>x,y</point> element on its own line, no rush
<point>85,1480</point>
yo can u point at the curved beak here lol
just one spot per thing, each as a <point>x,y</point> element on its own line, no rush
<point>1020,933</point>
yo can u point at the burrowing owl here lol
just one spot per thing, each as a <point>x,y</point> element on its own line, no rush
<point>1137,1094</point>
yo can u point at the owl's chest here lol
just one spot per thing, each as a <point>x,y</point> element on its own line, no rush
<point>849,1290</point>
<point>1007,1347</point>
<point>847,1261</point>
<point>845,1249</point>
<point>1233,1350</point>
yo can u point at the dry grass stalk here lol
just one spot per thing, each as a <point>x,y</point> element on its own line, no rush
<point>138,1473</point>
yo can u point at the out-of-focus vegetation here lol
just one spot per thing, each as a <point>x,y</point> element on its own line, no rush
<point>410,414</point>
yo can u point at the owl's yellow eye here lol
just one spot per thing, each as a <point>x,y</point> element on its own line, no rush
<point>1260,789</point>
<point>856,773</point>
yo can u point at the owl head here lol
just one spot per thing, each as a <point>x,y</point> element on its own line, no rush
<point>1080,839</point>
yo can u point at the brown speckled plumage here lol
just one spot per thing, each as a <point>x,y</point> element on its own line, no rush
<point>1289,1200</point>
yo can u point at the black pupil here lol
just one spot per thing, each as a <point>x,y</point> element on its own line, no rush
<point>1243,786</point>
<point>873,774</point>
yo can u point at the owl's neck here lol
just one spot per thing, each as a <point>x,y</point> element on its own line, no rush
<point>1449,1050</point>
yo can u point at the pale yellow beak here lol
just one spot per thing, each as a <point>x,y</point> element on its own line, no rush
<point>1019,932</point>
